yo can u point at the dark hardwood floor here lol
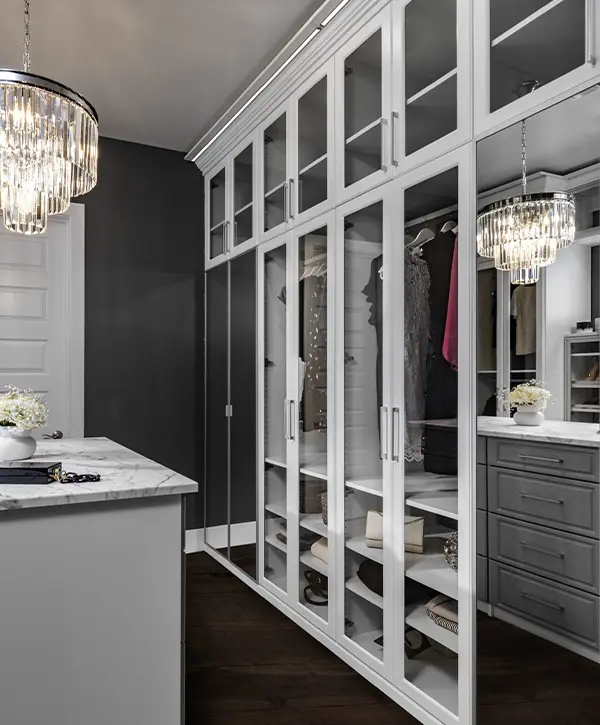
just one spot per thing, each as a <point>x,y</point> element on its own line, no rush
<point>247,663</point>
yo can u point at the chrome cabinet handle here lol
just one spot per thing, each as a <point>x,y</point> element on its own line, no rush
<point>228,237</point>
<point>292,424</point>
<point>540,458</point>
<point>557,555</point>
<point>286,211</point>
<point>557,501</point>
<point>556,607</point>
<point>590,19</point>
<point>286,419</point>
<point>383,432</point>
<point>395,434</point>
<point>395,117</point>
<point>384,123</point>
<point>291,199</point>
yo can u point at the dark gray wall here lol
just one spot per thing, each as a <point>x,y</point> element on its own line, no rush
<point>144,301</point>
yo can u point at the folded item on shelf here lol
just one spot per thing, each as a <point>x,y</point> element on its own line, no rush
<point>371,575</point>
<point>414,527</point>
<point>281,536</point>
<point>319,549</point>
<point>444,612</point>
<point>310,496</point>
<point>374,529</point>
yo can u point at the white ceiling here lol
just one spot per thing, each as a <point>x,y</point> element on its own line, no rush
<point>158,72</point>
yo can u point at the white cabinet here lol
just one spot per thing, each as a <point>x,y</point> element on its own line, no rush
<point>275,170</point>
<point>230,206</point>
<point>552,44</point>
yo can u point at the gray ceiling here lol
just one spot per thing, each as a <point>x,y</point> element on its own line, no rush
<point>157,71</point>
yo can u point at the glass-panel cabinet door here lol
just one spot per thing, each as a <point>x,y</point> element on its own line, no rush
<point>313,312</point>
<point>217,214</point>
<point>489,348</point>
<point>275,176</point>
<point>275,415</point>
<point>243,196</point>
<point>548,46</point>
<point>365,442</point>
<point>363,107</point>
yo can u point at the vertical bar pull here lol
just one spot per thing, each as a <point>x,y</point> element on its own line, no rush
<point>291,200</point>
<point>383,432</point>
<point>395,434</point>
<point>384,123</point>
<point>286,205</point>
<point>286,419</point>
<point>292,423</point>
<point>395,117</point>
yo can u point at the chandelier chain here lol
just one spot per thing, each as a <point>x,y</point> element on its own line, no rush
<point>524,156</point>
<point>26,56</point>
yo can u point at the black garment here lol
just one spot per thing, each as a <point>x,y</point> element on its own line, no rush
<point>374,294</point>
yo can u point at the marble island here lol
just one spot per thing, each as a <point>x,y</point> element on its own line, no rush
<point>123,475</point>
<point>551,431</point>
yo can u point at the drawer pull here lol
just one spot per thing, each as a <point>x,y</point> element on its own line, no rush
<point>540,458</point>
<point>558,555</point>
<point>557,501</point>
<point>550,605</point>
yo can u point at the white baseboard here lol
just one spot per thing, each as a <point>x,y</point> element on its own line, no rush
<point>241,534</point>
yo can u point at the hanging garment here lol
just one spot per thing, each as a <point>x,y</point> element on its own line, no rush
<point>313,342</point>
<point>450,345</point>
<point>416,341</point>
<point>522,308</point>
<point>374,295</point>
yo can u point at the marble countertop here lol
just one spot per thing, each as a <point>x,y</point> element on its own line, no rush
<point>551,431</point>
<point>124,475</point>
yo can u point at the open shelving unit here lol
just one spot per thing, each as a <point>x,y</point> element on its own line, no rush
<point>582,378</point>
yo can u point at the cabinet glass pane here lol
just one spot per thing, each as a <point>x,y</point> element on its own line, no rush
<point>533,41</point>
<point>275,484</point>
<point>363,401</point>
<point>430,72</point>
<point>430,435</point>
<point>275,176</point>
<point>583,374</point>
<point>523,339</point>
<point>312,146</point>
<point>243,198</point>
<point>487,316</point>
<point>363,87</point>
<point>217,214</point>
<point>312,419</point>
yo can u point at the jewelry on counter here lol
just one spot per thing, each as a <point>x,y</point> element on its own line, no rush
<point>70,477</point>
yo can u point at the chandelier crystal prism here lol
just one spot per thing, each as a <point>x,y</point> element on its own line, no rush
<point>523,234</point>
<point>48,146</point>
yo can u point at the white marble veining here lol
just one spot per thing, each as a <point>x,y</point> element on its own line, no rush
<point>124,475</point>
<point>551,431</point>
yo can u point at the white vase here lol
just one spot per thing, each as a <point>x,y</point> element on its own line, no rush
<point>16,445</point>
<point>528,415</point>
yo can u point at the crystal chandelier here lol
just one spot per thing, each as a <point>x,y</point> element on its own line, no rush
<point>523,234</point>
<point>48,146</point>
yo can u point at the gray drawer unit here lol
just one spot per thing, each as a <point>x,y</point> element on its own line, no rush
<point>560,503</point>
<point>481,449</point>
<point>481,491</point>
<point>482,579</point>
<point>481,534</point>
<point>565,558</point>
<point>568,612</point>
<point>569,461</point>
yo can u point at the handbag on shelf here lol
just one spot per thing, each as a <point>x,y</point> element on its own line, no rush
<point>414,530</point>
<point>444,612</point>
<point>324,503</point>
<point>310,496</point>
<point>316,589</point>
<point>374,530</point>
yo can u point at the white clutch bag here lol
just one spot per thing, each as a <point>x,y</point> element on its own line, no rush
<point>413,532</point>
<point>374,532</point>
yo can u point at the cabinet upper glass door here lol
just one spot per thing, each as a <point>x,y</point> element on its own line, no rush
<point>217,214</point>
<point>487,341</point>
<point>313,160</point>
<point>275,173</point>
<point>430,71</point>
<point>243,196</point>
<point>534,42</point>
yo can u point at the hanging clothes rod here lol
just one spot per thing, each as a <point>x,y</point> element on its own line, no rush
<point>432,216</point>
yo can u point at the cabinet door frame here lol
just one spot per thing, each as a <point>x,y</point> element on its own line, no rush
<point>327,71</point>
<point>234,250</point>
<point>382,21</point>
<point>586,75</point>
<point>225,165</point>
<point>401,163</point>
<point>287,110</point>
<point>383,667</point>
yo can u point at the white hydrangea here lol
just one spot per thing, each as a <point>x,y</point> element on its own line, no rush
<point>22,409</point>
<point>532,394</point>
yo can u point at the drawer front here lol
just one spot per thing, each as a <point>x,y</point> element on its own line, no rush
<point>482,579</point>
<point>482,533</point>
<point>481,449</point>
<point>565,611</point>
<point>571,461</point>
<point>572,560</point>
<point>481,493</point>
<point>563,504</point>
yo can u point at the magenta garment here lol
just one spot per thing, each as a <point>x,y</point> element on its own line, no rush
<point>450,346</point>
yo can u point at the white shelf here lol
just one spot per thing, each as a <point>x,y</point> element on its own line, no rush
<point>431,568</point>
<point>276,461</point>
<point>585,408</point>
<point>585,354</point>
<point>216,226</point>
<point>436,676</point>
<point>432,86</point>
<point>373,486</point>
<point>363,131</point>
<point>274,189</point>
<point>524,23</point>
<point>243,209</point>
<point>278,509</point>
<point>530,372</point>
<point>444,503</point>
<point>486,372</point>
<point>312,164</point>
<point>359,545</point>
<point>418,618</point>
<point>366,641</point>
<point>315,470</point>
<point>424,482</point>
<point>357,587</point>
<point>312,562</point>
<point>314,523</point>
<point>273,541</point>
<point>581,384</point>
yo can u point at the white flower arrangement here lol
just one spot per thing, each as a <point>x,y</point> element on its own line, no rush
<point>531,395</point>
<point>22,409</point>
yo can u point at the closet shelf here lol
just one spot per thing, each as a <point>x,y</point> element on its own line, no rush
<point>359,545</point>
<point>585,354</point>
<point>367,141</point>
<point>418,618</point>
<point>244,208</point>
<point>355,585</point>
<point>373,486</point>
<point>314,523</point>
<point>525,22</point>
<point>431,568</point>
<point>216,226</point>
<point>586,384</point>
<point>582,408</point>
<point>366,641</point>
<point>432,86</point>
<point>279,509</point>
<point>436,676</point>
<point>444,503</point>
<point>273,541</point>
<point>312,164</point>
<point>276,461</point>
<point>363,131</point>
<point>315,470</point>
<point>424,482</point>
<point>312,562</point>
<point>274,189</point>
